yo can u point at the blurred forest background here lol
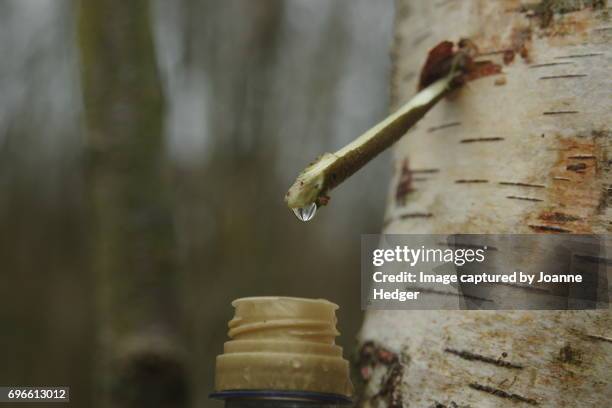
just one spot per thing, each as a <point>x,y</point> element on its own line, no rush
<point>145,149</point>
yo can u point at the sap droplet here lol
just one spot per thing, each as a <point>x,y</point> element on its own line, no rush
<point>296,364</point>
<point>306,213</point>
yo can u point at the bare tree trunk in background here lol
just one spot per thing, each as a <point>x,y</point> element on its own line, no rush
<point>524,152</point>
<point>137,279</point>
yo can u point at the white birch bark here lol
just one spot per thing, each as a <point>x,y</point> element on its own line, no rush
<point>522,152</point>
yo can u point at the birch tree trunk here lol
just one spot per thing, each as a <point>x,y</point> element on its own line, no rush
<point>138,286</point>
<point>526,151</point>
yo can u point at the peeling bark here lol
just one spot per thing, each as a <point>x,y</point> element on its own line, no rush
<point>525,151</point>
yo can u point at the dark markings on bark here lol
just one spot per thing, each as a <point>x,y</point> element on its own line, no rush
<point>564,76</point>
<point>549,228</point>
<point>467,355</point>
<point>559,112</point>
<point>502,394</point>
<point>391,386</point>
<point>466,245</point>
<point>569,355</point>
<point>446,293</point>
<point>519,184</point>
<point>524,198</point>
<point>444,126</point>
<point>494,52</point>
<point>595,54</point>
<point>583,157</point>
<point>418,171</point>
<point>372,355</point>
<point>524,287</point>
<point>419,179</point>
<point>415,215</point>
<point>578,167</point>
<point>451,404</point>
<point>594,259</point>
<point>545,10</point>
<point>550,64</point>
<point>558,217</point>
<point>600,338</point>
<point>605,199</point>
<point>505,380</point>
<point>406,216</point>
<point>472,181</point>
<point>404,184</point>
<point>482,139</point>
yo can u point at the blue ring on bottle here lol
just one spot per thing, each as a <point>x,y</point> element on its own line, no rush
<point>273,394</point>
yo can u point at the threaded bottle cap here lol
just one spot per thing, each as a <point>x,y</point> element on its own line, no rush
<point>283,344</point>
